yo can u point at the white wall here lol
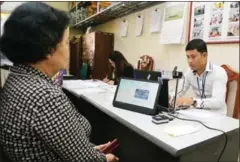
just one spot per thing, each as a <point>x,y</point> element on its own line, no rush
<point>165,56</point>
<point>58,5</point>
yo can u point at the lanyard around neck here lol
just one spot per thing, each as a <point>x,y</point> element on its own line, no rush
<point>202,93</point>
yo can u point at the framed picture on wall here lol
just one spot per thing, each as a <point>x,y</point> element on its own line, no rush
<point>214,22</point>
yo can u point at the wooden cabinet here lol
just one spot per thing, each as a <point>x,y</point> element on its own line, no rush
<point>97,46</point>
<point>75,61</point>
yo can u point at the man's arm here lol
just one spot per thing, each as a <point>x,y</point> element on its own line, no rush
<point>217,101</point>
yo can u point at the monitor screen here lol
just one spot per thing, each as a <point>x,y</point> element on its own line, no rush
<point>156,76</point>
<point>137,92</point>
<point>149,75</point>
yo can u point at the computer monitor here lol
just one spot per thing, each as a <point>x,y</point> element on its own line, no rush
<point>137,95</point>
<point>156,76</point>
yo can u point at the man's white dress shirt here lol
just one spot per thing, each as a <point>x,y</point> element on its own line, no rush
<point>209,88</point>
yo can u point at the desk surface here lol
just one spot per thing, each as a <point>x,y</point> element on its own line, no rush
<point>142,124</point>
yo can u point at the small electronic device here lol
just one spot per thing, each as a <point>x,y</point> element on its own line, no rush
<point>160,119</point>
<point>168,116</point>
<point>137,95</point>
<point>110,147</point>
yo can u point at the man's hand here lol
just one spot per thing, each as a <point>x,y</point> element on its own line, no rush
<point>184,101</point>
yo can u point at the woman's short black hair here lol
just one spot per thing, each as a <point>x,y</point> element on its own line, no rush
<point>197,44</point>
<point>32,31</point>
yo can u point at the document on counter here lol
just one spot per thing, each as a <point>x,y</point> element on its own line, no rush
<point>181,129</point>
<point>73,83</point>
<point>79,84</point>
<point>89,90</point>
<point>197,114</point>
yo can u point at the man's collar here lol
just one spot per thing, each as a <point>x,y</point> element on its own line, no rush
<point>209,67</point>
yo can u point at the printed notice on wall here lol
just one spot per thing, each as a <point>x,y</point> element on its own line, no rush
<point>173,24</point>
<point>156,21</point>
<point>124,28</point>
<point>139,24</point>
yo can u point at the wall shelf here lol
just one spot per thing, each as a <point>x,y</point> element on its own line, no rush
<point>117,10</point>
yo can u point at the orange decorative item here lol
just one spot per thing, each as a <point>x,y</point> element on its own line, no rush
<point>145,63</point>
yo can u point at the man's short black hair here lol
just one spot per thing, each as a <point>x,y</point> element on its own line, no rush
<point>32,31</point>
<point>197,44</point>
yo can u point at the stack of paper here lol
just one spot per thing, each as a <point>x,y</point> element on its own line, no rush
<point>181,129</point>
<point>195,114</point>
<point>89,90</point>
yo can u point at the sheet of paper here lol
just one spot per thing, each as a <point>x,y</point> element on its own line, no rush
<point>197,114</point>
<point>79,84</point>
<point>4,60</point>
<point>139,24</point>
<point>156,21</point>
<point>181,129</point>
<point>89,90</point>
<point>97,82</point>
<point>124,28</point>
<point>73,83</point>
<point>173,24</point>
<point>111,89</point>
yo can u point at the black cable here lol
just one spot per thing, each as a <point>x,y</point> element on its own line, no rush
<point>182,84</point>
<point>167,109</point>
<point>226,139</point>
<point>175,116</point>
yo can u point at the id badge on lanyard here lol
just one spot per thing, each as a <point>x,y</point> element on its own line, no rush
<point>202,88</point>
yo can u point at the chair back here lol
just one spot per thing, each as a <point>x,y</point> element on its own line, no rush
<point>145,62</point>
<point>232,94</point>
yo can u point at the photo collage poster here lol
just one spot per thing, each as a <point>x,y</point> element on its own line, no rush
<point>215,22</point>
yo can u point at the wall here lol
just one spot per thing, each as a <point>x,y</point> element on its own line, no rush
<point>74,32</point>
<point>165,56</point>
<point>64,6</point>
<point>58,5</point>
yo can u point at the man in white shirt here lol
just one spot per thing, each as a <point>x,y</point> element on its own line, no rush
<point>207,80</point>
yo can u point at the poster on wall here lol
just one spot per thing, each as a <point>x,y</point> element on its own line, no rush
<point>233,20</point>
<point>198,22</point>
<point>173,23</point>
<point>214,22</point>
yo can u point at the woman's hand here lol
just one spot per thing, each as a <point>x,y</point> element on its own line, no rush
<point>101,147</point>
<point>112,158</point>
<point>106,80</point>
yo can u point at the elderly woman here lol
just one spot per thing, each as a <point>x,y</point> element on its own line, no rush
<point>37,120</point>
